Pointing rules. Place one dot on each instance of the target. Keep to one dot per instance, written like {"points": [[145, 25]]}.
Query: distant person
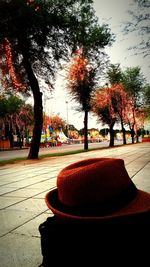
{"points": [[99, 215]]}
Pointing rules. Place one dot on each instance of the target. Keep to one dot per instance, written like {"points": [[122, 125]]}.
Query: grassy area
{"points": [[20, 159], [24, 159], [64, 153]]}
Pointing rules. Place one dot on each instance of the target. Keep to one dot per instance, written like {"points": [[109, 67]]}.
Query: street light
{"points": [[45, 99]]}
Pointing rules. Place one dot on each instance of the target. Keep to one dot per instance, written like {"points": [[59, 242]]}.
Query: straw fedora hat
{"points": [[97, 189]]}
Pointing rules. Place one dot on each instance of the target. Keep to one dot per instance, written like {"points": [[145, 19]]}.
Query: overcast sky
{"points": [[114, 13]]}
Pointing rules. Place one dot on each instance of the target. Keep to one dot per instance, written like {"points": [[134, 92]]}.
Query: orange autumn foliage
{"points": [[9, 66], [119, 105], [78, 67], [55, 121]]}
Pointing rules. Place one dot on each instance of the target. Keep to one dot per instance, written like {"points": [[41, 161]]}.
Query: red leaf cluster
{"points": [[10, 68]]}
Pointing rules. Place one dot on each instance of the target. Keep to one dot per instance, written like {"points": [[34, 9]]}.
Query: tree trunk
{"points": [[38, 112], [123, 132], [137, 134], [86, 130], [11, 140], [38, 122], [132, 135], [11, 135], [137, 138], [111, 143]]}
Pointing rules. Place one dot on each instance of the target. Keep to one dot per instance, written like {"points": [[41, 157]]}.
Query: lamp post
{"points": [[45, 98]]}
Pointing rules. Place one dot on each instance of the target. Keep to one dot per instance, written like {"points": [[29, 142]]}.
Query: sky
{"points": [[114, 13]]}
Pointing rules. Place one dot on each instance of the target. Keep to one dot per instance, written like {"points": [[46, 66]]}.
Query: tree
{"points": [[81, 85], [147, 99], [104, 131], [55, 122], [88, 60], [120, 100], [134, 118], [34, 36], [15, 117], [133, 82], [139, 24], [114, 74], [12, 107], [147, 94], [103, 107], [26, 120]]}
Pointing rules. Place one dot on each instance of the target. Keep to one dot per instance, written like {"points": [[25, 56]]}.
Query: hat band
{"points": [[98, 209]]}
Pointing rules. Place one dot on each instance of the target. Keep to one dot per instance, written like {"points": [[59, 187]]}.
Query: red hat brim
{"points": [[138, 207]]}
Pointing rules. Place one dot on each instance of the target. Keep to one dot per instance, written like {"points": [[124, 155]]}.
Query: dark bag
{"points": [[75, 243]]}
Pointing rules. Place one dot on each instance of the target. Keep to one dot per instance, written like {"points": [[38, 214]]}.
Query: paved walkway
{"points": [[22, 191]]}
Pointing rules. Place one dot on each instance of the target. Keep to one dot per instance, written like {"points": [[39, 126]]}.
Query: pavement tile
{"points": [[5, 190], [8, 201], [44, 185], [11, 219], [20, 251], [23, 183], [142, 179], [42, 195], [134, 167], [24, 192], [30, 205], [142, 185], [31, 227]]}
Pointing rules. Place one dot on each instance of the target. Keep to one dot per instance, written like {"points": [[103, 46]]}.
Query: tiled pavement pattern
{"points": [[22, 191]]}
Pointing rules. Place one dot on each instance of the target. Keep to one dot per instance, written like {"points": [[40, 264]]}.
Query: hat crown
{"points": [[92, 182]]}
